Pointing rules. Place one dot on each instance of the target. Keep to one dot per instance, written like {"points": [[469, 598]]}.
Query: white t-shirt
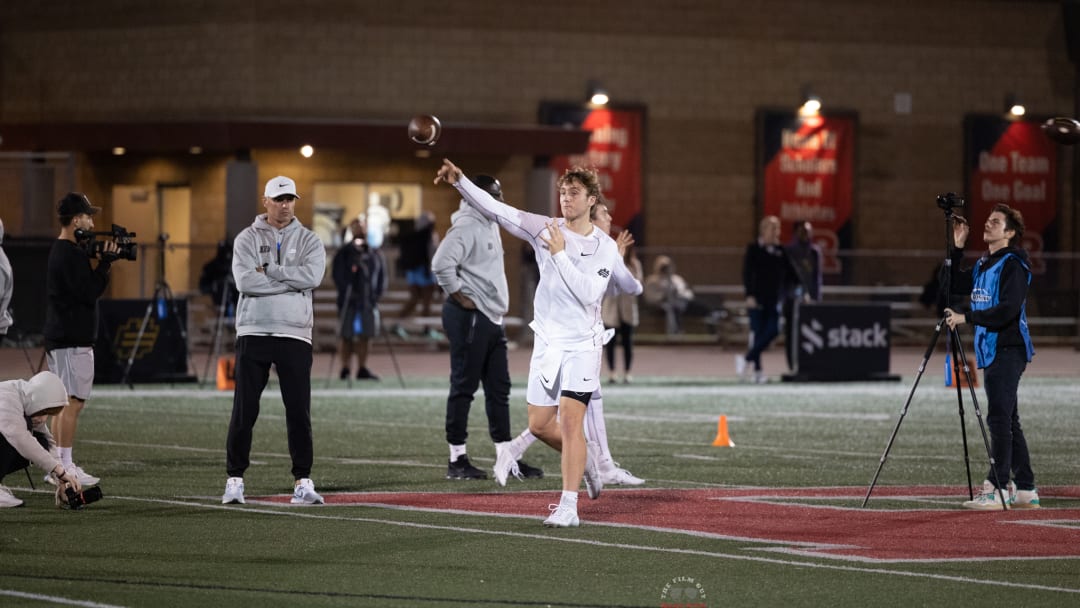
{"points": [[566, 307]]}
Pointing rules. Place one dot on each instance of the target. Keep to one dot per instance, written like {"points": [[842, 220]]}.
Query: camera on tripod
{"points": [[76, 500], [125, 241], [950, 201]]}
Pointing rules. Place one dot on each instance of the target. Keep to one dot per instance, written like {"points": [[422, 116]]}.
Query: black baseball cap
{"points": [[490, 185], [75, 203]]}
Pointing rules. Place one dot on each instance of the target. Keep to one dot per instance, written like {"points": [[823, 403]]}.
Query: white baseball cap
{"points": [[280, 185]]}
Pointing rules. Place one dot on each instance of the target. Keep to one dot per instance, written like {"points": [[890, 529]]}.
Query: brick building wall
{"points": [[700, 67]]}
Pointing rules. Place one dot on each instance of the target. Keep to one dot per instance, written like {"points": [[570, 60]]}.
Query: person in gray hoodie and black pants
{"points": [[469, 267], [277, 264]]}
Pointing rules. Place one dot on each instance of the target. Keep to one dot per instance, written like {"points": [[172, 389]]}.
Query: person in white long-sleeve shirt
{"points": [[576, 261]]}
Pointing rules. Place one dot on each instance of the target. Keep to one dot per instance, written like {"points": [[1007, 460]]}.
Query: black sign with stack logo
{"points": [[841, 342]]}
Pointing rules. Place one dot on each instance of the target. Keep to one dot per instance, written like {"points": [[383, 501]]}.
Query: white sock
{"points": [[595, 429], [569, 499], [456, 451], [65, 457], [526, 438]]}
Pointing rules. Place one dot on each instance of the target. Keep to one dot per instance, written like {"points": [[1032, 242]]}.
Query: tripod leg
{"points": [[180, 325], [138, 340], [955, 359], [982, 427], [903, 411]]}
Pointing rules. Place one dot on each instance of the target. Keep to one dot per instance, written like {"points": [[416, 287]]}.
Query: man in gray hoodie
{"points": [[24, 437], [277, 264], [469, 267], [7, 284]]}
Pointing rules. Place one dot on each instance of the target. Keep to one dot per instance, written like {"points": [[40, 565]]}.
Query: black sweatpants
{"points": [[292, 360], [477, 354]]}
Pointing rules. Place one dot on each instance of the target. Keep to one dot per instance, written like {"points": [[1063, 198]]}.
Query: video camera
{"points": [[76, 500], [125, 241], [950, 201]]}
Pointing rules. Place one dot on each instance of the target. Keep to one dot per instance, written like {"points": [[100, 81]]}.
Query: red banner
{"points": [[807, 169], [1016, 164], [615, 152]]}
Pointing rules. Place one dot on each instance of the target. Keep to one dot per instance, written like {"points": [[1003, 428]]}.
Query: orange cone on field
{"points": [[722, 439], [226, 373], [962, 378]]}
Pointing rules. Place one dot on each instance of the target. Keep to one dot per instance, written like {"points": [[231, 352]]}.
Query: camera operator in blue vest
{"points": [[998, 285]]}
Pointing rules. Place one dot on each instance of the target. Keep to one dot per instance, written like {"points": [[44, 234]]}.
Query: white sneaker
{"points": [[740, 367], [987, 501], [1025, 499], [507, 453], [85, 478], [304, 493], [760, 377], [7, 499], [988, 488], [615, 476], [562, 517], [628, 379], [593, 481], [234, 491]]}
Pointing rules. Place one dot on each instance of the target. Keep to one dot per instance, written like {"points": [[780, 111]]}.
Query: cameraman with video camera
{"points": [[74, 285]]}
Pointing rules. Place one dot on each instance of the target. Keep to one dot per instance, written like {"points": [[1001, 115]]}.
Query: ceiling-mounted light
{"points": [[119, 151], [811, 103], [596, 93], [306, 151], [1013, 107]]}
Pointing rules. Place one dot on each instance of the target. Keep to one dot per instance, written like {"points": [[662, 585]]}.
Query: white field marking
{"points": [[691, 417], [792, 452], [306, 512], [55, 599]]}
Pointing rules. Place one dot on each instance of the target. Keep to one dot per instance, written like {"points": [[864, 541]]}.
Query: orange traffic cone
{"points": [[722, 440], [226, 373], [963, 378]]}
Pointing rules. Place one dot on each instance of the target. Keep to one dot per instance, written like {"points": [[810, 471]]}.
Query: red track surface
{"points": [[797, 519]]}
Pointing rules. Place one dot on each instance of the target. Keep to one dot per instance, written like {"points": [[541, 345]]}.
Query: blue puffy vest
{"points": [[986, 294]]}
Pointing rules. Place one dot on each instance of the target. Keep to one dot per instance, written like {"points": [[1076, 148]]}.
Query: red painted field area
{"points": [[797, 520]]}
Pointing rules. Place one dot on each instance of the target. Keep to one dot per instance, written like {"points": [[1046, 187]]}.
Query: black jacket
{"points": [[73, 286]]}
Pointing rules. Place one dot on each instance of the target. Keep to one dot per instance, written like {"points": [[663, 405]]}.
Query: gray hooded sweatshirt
{"points": [[7, 284], [470, 259], [20, 399], [277, 301]]}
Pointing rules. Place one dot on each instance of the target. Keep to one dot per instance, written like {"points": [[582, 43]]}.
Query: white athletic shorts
{"points": [[75, 366], [577, 371]]}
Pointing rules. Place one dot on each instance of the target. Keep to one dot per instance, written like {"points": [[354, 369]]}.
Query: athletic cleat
{"points": [[987, 501], [562, 517], [760, 377], [85, 478], [616, 476], [7, 499], [234, 491], [304, 493], [528, 472], [463, 469], [1025, 499], [593, 481]]}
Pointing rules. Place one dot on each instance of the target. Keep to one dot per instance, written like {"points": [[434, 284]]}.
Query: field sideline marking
{"points": [[293, 512], [55, 599]]}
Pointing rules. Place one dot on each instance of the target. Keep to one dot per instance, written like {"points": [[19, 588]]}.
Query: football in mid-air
{"points": [[425, 129], [1062, 130]]}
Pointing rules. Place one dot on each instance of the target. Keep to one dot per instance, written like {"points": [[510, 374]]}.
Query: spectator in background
{"points": [[359, 274], [805, 258], [216, 279], [417, 249], [668, 291], [620, 308], [766, 270], [7, 286]]}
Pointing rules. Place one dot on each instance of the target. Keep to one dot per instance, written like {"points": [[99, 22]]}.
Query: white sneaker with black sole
{"points": [[7, 499]]}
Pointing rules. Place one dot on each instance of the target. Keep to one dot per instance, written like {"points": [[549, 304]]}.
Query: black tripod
{"points": [[959, 361], [343, 318], [162, 297], [228, 288]]}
